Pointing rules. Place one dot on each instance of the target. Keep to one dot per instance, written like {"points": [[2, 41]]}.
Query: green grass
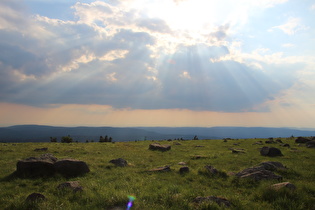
{"points": [[107, 186]]}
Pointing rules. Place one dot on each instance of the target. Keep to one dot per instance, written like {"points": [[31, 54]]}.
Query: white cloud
{"points": [[292, 26]]}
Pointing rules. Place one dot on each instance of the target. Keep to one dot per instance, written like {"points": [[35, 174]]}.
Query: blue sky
{"points": [[158, 63]]}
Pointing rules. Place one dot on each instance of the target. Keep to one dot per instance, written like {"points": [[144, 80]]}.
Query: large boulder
{"points": [[36, 166], [71, 167], [156, 146], [301, 140], [270, 151], [310, 144], [262, 172]]}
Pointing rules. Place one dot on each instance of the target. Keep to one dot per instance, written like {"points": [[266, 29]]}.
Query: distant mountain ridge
{"points": [[42, 133]]}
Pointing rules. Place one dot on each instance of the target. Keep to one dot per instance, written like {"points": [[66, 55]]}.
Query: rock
{"points": [[211, 169], [161, 169], [36, 166], [119, 162], [236, 151], [258, 143], [272, 165], [301, 140], [41, 149], [73, 185], [35, 197], [270, 151], [71, 167], [183, 170], [156, 146], [177, 143], [182, 163], [285, 145], [270, 142], [283, 185], [310, 144], [219, 200], [198, 157], [257, 174], [199, 146], [279, 141]]}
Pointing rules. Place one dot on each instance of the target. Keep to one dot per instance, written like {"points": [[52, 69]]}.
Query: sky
{"points": [[193, 63]]}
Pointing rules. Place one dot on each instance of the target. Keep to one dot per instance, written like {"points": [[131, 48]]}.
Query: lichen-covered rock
{"points": [[161, 169]]}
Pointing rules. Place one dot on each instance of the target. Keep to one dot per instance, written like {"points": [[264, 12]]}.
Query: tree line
{"points": [[68, 139]]}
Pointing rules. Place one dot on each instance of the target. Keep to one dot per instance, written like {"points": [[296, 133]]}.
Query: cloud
{"points": [[111, 55], [292, 26]]}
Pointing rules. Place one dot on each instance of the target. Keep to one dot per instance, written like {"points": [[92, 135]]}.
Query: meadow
{"points": [[107, 186]]}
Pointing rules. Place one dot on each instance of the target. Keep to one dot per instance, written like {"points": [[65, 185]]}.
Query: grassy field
{"points": [[107, 186]]}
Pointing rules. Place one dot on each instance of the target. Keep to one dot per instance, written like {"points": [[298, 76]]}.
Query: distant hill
{"points": [[41, 133]]}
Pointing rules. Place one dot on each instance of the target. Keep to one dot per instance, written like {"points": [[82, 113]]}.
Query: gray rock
{"points": [[270, 151], [73, 185], [211, 169], [282, 185], [71, 167], [272, 165], [35, 197], [161, 169], [36, 166], [156, 146], [183, 170], [41, 149], [310, 144], [219, 200], [119, 162], [301, 140]]}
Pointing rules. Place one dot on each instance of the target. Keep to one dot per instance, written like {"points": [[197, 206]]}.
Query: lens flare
{"points": [[131, 199]]}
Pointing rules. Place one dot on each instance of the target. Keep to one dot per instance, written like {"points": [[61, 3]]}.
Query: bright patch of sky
{"points": [[220, 56]]}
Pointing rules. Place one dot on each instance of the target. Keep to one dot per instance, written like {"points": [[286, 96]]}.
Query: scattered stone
{"points": [[310, 144], [272, 165], [279, 141], [257, 174], [283, 185], [301, 140], [285, 145], [35, 197], [73, 185], [219, 200], [161, 169], [258, 143], [236, 144], [270, 142], [36, 166], [182, 163], [177, 143], [199, 146], [183, 170], [270, 151], [71, 167], [157, 146], [211, 169], [195, 157], [119, 162], [41, 149]]}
